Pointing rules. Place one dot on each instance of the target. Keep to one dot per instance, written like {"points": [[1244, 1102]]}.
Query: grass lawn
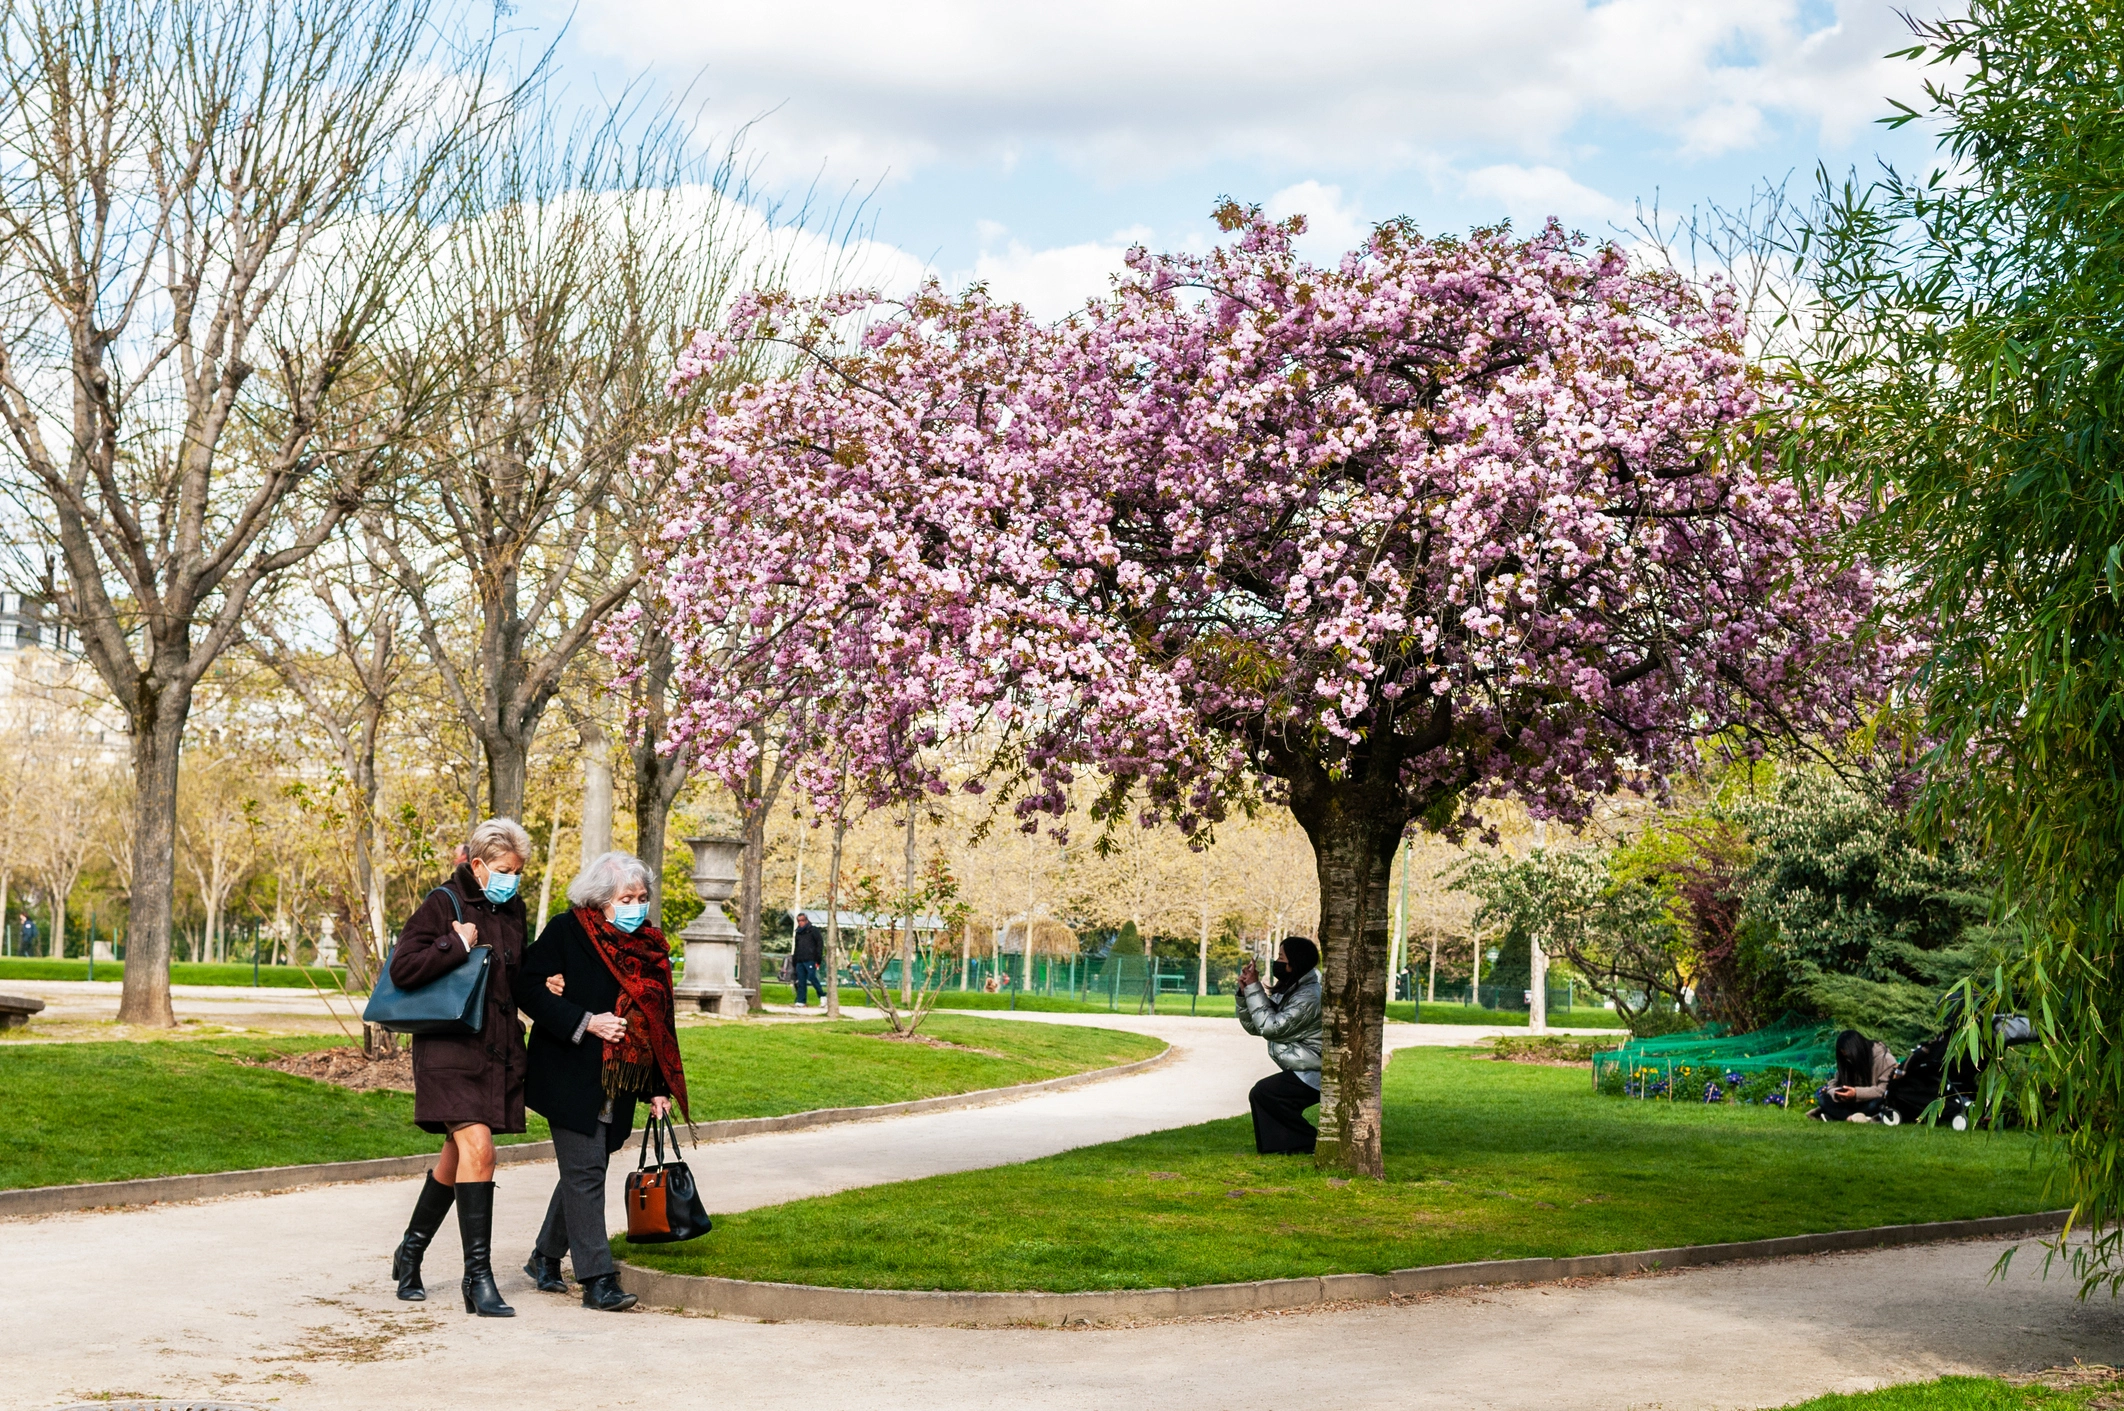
{"points": [[275, 977], [1485, 1160], [1404, 1011], [118, 1111], [1972, 1394]]}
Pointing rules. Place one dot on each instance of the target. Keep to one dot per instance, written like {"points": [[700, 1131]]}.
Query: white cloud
{"points": [[1051, 282], [1530, 195], [1333, 226], [1129, 88]]}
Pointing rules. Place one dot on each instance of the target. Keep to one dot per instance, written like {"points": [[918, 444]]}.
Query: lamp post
{"points": [[1538, 967]]}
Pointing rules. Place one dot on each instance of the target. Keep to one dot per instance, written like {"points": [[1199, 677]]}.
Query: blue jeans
{"points": [[806, 972]]}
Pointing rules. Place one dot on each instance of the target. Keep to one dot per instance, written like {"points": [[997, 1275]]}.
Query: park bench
{"points": [[16, 1009]]}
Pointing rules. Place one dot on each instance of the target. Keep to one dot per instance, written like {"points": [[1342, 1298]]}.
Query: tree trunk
{"points": [[658, 776], [833, 923], [907, 949], [652, 819], [1355, 827], [508, 766], [597, 791], [157, 735], [751, 867]]}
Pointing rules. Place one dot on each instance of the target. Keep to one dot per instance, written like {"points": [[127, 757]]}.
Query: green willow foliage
{"points": [[1970, 367]]}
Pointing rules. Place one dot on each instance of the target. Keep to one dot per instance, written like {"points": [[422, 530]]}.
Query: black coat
{"points": [[466, 1077], [808, 945], [566, 1086]]}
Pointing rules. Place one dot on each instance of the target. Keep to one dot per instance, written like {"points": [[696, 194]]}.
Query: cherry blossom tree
{"points": [[1454, 519]]}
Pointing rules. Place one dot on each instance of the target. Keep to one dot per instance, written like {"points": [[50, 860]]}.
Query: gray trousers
{"points": [[575, 1217]]}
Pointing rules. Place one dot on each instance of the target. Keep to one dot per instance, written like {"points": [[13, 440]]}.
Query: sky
{"points": [[1030, 145]]}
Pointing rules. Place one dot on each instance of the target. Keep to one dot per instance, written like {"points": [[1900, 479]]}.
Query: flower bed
{"points": [[1686, 1082]]}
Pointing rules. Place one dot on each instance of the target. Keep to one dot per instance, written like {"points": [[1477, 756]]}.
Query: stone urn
{"points": [[710, 980]]}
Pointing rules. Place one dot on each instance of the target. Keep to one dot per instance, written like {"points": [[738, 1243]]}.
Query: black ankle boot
{"points": [[545, 1272], [475, 1226], [604, 1293], [428, 1213]]}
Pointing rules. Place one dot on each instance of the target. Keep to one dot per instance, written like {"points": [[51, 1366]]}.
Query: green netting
{"points": [[1774, 1066]]}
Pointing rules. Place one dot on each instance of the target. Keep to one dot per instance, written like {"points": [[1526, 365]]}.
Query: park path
{"points": [[285, 1300]]}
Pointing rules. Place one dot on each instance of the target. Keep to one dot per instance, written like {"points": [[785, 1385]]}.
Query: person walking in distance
{"points": [[1288, 1016], [467, 1085], [806, 949], [604, 1036]]}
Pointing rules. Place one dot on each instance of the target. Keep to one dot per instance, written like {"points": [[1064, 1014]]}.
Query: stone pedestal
{"points": [[710, 981], [327, 943]]}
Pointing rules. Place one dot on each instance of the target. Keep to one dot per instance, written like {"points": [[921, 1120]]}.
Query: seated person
{"points": [[1863, 1068], [1288, 1016]]}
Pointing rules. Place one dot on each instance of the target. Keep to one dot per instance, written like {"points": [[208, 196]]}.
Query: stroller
{"points": [[1927, 1075]]}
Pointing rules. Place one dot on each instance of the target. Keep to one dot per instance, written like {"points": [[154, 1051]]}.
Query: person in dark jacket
{"points": [[604, 1035], [1287, 1014], [468, 1085], [806, 949]]}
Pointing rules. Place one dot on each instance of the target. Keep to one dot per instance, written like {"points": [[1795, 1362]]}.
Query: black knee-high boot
{"points": [[428, 1213], [475, 1226]]}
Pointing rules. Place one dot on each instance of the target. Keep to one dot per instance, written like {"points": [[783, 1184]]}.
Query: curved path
{"points": [[286, 1298]]}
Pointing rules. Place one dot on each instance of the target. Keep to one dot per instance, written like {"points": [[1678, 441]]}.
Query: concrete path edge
{"points": [[53, 1200], [933, 1308]]}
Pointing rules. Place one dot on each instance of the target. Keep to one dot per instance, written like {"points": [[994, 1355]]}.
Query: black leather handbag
{"points": [[663, 1204], [452, 1003]]}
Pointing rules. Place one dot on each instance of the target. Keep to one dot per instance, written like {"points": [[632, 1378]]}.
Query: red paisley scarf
{"points": [[641, 962]]}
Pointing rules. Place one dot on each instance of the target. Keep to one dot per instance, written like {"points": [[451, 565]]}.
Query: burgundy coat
{"points": [[467, 1077]]}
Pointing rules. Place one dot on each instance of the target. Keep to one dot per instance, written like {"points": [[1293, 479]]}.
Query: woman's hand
{"points": [[1248, 975], [660, 1107], [466, 932], [556, 983], [609, 1027]]}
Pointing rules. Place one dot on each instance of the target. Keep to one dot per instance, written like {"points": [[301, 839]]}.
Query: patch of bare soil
{"points": [[349, 1068], [928, 1042], [1548, 1050], [2080, 1376]]}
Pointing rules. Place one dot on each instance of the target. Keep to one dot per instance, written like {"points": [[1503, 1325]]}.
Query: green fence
{"points": [[1410, 983], [1775, 1066], [1123, 984]]}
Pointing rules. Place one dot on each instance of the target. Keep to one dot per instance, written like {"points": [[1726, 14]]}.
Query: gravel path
{"points": [[285, 1300]]}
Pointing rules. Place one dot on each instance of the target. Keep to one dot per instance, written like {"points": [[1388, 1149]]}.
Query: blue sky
{"points": [[1029, 145]]}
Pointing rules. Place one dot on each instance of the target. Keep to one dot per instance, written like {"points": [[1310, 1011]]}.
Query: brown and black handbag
{"points": [[663, 1203]]}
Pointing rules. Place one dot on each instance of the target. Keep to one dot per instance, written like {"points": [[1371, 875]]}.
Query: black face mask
{"points": [[1278, 971]]}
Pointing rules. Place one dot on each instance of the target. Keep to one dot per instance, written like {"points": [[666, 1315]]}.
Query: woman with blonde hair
{"points": [[604, 1036], [467, 1085]]}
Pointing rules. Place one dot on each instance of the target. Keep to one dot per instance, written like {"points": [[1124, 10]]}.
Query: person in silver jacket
{"points": [[1287, 1014]]}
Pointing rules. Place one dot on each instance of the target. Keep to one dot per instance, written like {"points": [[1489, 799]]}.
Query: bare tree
{"points": [[66, 830], [217, 829], [659, 769], [207, 211], [347, 691], [576, 271]]}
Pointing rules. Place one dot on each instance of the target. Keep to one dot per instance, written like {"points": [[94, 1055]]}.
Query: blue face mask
{"points": [[500, 886], [629, 915]]}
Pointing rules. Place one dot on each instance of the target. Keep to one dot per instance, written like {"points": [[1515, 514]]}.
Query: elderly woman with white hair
{"points": [[468, 1085], [604, 1036]]}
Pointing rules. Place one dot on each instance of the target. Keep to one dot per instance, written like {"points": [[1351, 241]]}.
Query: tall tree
{"points": [[573, 273], [1971, 331], [659, 770], [1450, 519], [206, 218], [348, 687]]}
